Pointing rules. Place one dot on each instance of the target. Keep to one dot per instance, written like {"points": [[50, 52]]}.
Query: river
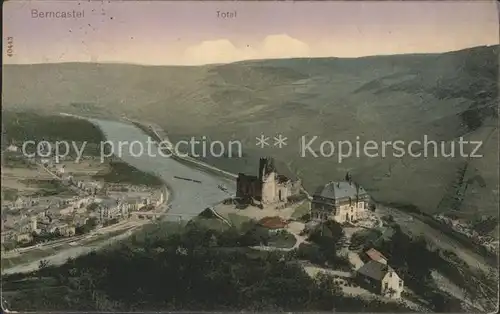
{"points": [[187, 198]]}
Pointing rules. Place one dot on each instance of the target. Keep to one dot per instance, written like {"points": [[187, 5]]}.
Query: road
{"points": [[72, 187], [57, 243], [78, 243], [436, 237], [62, 256]]}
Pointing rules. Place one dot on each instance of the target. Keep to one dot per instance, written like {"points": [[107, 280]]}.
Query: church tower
{"points": [[267, 178]]}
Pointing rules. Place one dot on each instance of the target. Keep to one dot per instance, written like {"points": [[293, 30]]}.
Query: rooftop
{"points": [[374, 270], [340, 190], [375, 255], [273, 222], [282, 178]]}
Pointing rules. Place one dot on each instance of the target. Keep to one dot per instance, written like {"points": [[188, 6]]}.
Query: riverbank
{"points": [[154, 132]]}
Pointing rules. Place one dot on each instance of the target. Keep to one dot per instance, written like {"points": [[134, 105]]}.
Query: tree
{"points": [[92, 206], [136, 276], [445, 304], [43, 264], [327, 233], [255, 236], [327, 291], [372, 207]]}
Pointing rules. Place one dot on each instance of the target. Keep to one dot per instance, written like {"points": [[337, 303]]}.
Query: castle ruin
{"points": [[268, 187]]}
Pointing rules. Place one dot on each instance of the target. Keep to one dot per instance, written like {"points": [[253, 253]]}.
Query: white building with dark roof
{"points": [[12, 148], [380, 278], [340, 201]]}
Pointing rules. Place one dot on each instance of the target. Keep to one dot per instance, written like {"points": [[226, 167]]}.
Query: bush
{"points": [[257, 235], [185, 271], [364, 238], [283, 239]]}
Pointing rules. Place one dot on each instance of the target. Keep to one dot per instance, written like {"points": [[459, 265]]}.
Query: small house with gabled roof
{"points": [[381, 279]]}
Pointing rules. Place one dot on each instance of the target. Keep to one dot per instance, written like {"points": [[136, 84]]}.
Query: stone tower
{"points": [[267, 178]]}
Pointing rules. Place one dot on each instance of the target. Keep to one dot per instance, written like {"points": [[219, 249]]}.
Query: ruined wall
{"points": [[267, 177], [282, 192], [247, 186], [269, 189]]}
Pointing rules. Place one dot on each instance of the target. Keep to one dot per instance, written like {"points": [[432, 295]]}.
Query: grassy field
{"points": [[13, 160], [9, 194], [27, 257], [301, 210], [238, 220], [282, 239], [47, 187], [381, 98]]}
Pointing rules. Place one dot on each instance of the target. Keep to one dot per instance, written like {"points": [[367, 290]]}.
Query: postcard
{"points": [[291, 156]]}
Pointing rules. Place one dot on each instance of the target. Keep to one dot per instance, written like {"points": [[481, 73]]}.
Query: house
{"points": [[133, 205], [381, 279], [23, 202], [343, 201], [67, 231], [144, 204], [82, 203], [26, 225], [60, 169], [12, 148], [108, 209], [67, 210], [63, 228], [273, 224], [268, 187], [24, 237], [80, 221], [8, 235], [123, 208], [373, 255], [161, 199]]}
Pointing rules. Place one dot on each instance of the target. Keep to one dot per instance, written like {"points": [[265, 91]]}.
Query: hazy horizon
{"points": [[250, 60], [191, 33]]}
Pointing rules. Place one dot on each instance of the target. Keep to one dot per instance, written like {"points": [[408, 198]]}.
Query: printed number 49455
{"points": [[10, 46]]}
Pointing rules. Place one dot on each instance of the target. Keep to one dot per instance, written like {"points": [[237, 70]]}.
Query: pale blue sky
{"points": [[162, 32]]}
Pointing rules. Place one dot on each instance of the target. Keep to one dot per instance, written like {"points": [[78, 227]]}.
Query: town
{"points": [[80, 204]]}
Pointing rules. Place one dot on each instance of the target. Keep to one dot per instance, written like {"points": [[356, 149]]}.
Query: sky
{"points": [[191, 33]]}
